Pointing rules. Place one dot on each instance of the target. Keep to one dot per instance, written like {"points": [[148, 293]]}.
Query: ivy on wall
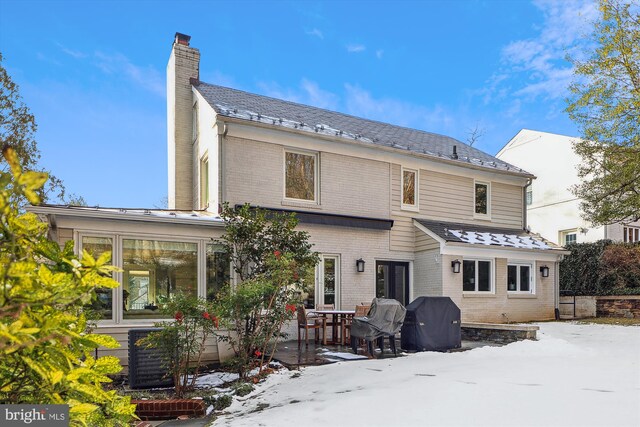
{"points": [[601, 268]]}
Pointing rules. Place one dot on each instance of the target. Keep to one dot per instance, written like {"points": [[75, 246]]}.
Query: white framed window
{"points": [[520, 278], [529, 196], [477, 275], [301, 176], [409, 189], [631, 234], [328, 281], [96, 245], [482, 200], [568, 237], [204, 182], [153, 270]]}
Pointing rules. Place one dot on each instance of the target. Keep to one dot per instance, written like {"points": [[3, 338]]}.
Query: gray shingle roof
{"points": [[488, 236], [276, 112]]}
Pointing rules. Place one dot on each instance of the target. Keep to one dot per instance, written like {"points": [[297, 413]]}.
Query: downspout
{"points": [[524, 203]]}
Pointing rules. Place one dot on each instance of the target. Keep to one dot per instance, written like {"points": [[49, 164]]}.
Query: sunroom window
{"points": [[476, 276], [96, 246], [218, 270], [154, 271]]}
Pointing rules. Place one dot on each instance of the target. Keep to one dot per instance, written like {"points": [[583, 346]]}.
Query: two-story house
{"points": [[552, 210], [394, 212]]}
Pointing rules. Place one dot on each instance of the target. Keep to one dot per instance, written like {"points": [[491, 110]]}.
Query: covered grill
{"points": [[384, 320], [431, 324]]}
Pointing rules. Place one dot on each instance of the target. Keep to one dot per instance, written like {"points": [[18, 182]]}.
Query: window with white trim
{"points": [[631, 234], [520, 278], [482, 199], [568, 237], [409, 189], [477, 275], [301, 176]]}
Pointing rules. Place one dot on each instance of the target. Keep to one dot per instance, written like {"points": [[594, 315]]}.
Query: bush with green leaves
{"points": [[45, 349], [274, 262], [182, 341], [601, 268]]}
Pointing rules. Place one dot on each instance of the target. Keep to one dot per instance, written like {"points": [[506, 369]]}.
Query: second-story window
{"points": [[301, 175], [409, 188], [482, 199]]}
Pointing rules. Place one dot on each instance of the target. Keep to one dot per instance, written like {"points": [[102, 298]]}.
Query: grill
{"points": [[431, 324], [145, 364]]}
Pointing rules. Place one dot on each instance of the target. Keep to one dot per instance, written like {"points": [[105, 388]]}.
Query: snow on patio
{"points": [[575, 375]]}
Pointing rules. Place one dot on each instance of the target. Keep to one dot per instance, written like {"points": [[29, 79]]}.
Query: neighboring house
{"points": [[394, 212], [552, 210]]}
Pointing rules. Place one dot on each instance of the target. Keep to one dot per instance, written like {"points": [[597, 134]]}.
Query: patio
{"points": [[293, 357]]}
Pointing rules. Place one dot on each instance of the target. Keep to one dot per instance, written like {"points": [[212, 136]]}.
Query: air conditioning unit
{"points": [[146, 367]]}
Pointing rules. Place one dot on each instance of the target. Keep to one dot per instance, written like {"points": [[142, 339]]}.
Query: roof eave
{"points": [[559, 251], [225, 118]]}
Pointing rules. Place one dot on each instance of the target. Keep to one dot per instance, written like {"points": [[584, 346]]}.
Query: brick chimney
{"points": [[184, 65]]}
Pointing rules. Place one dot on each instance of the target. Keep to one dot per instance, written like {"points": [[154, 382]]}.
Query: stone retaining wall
{"points": [[627, 307], [501, 333]]}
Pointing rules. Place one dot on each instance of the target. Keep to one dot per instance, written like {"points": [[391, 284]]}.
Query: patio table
{"points": [[343, 315]]}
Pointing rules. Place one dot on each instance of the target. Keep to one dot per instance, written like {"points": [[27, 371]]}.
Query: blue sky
{"points": [[93, 72]]}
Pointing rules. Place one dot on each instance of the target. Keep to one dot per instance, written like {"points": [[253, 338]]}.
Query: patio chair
{"points": [[384, 319], [306, 323], [361, 311]]}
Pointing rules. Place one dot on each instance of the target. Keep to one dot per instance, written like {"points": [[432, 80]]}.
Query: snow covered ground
{"points": [[574, 375]]}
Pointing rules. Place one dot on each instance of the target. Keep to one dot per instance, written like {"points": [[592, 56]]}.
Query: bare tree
{"points": [[475, 134]]}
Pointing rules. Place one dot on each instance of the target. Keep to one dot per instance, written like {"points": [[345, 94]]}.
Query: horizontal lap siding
{"points": [[445, 196], [506, 205], [425, 242]]}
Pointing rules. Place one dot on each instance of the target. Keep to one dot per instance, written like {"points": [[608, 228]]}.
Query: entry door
{"points": [[392, 280]]}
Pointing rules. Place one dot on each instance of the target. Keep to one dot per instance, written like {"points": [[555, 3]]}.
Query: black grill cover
{"points": [[431, 324], [385, 318]]}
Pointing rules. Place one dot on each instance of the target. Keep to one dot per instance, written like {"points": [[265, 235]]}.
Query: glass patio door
{"points": [[328, 281], [392, 280]]}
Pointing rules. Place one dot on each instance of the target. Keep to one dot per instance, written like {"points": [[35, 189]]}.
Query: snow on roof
{"points": [[130, 213], [242, 105], [500, 239]]}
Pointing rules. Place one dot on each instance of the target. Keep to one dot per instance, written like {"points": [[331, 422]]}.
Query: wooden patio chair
{"points": [[361, 310], [306, 323]]}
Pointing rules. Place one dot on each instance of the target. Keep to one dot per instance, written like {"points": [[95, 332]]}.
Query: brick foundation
{"points": [[169, 409]]}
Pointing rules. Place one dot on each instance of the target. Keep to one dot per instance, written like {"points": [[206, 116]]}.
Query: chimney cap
{"points": [[182, 39]]}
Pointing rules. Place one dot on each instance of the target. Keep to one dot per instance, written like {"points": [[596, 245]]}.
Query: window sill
{"points": [[521, 296], [482, 217], [478, 294], [410, 208], [301, 204]]}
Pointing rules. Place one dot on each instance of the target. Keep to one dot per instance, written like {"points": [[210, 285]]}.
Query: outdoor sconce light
{"points": [[360, 265], [545, 271], [455, 266]]}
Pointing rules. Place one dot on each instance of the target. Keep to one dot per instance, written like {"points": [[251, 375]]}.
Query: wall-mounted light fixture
{"points": [[544, 270], [360, 265], [455, 266]]}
